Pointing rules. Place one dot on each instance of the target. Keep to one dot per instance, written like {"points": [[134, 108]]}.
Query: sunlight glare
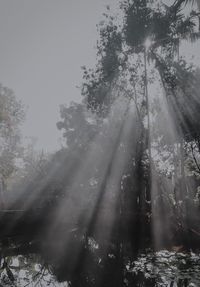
{"points": [[147, 44]]}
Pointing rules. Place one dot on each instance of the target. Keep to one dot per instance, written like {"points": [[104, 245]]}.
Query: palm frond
{"points": [[186, 26], [189, 1], [178, 3], [194, 36]]}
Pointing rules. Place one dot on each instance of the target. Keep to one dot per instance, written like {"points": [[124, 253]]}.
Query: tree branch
{"points": [[195, 160]]}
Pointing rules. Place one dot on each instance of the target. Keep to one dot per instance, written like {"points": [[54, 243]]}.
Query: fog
{"points": [[100, 143]]}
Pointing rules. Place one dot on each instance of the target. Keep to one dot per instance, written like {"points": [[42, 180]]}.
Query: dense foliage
{"points": [[127, 177]]}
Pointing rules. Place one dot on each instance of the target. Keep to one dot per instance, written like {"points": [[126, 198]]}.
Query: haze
{"points": [[43, 45]]}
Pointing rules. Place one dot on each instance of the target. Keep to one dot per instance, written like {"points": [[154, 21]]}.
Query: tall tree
{"points": [[11, 116], [121, 71]]}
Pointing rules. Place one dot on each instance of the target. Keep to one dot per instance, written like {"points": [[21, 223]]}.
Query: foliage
{"points": [[11, 116], [106, 171], [97, 88], [78, 124]]}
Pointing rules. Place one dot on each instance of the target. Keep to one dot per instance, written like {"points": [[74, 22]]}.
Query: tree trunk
{"points": [[198, 4], [2, 197]]}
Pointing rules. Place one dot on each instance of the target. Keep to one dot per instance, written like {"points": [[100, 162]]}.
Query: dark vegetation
{"points": [[91, 208]]}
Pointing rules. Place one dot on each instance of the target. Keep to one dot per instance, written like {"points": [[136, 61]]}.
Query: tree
{"points": [[79, 125], [165, 27], [11, 116], [121, 72], [101, 180]]}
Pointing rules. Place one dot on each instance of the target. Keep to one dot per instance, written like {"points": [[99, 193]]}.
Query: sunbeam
{"points": [[118, 203]]}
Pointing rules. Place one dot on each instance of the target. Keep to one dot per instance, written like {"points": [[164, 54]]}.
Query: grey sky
{"points": [[43, 45]]}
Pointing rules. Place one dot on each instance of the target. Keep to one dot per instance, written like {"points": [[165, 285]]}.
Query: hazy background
{"points": [[43, 45]]}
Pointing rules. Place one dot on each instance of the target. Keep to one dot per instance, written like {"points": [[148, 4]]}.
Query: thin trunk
{"points": [[147, 104], [2, 196], [198, 4], [148, 190]]}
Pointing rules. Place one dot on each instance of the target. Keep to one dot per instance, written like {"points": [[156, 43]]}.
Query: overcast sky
{"points": [[43, 45]]}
